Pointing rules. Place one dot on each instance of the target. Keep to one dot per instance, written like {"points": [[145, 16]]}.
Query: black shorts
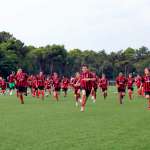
{"points": [[57, 89], [147, 93], [121, 90], [21, 89], [95, 89], [131, 88], [3, 88], [88, 92], [41, 87], [65, 89], [104, 89]]}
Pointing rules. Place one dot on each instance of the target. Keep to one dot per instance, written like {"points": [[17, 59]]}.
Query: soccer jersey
{"points": [[86, 85], [138, 82], [48, 84], [146, 83], [56, 82], [103, 83], [65, 83], [130, 82], [121, 82], [21, 79], [11, 78], [40, 80]]}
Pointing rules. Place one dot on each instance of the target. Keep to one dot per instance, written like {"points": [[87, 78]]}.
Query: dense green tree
{"points": [[15, 54]]}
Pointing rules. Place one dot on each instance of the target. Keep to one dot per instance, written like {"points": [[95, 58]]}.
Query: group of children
{"points": [[84, 84]]}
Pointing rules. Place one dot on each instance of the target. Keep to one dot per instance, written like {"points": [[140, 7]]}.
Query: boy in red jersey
{"points": [[104, 85], [3, 86], [29, 80], [48, 84], [121, 86], [34, 85], [146, 85], [138, 82], [21, 83], [94, 87], [76, 86], [65, 85], [11, 80], [41, 84], [130, 82], [86, 84], [56, 85]]}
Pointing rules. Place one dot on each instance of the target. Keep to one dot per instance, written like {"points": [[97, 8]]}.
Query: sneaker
{"points": [[82, 109], [77, 104]]}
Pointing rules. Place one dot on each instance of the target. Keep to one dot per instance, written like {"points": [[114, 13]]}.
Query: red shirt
{"points": [[56, 82], [146, 83], [121, 82], [0, 82], [41, 80], [138, 81], [103, 83], [3, 84], [34, 83], [48, 84], [65, 83], [87, 85], [76, 83], [11, 78], [95, 82], [30, 79], [21, 79], [130, 82]]}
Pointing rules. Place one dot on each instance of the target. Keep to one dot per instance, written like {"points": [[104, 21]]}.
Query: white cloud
{"points": [[86, 24]]}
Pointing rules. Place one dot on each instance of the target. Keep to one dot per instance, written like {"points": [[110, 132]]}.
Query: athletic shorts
{"points": [[104, 89], [76, 91], [147, 93], [35, 88], [65, 89], [131, 88], [57, 89], [22, 89], [41, 87], [88, 92], [95, 89], [11, 86], [3, 88], [121, 90]]}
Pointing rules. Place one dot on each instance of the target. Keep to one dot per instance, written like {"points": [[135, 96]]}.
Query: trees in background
{"points": [[15, 54]]}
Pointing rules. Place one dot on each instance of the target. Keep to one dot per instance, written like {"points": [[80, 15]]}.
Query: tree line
{"points": [[15, 54]]}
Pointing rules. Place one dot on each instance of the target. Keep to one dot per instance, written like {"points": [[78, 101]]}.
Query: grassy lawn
{"points": [[48, 125]]}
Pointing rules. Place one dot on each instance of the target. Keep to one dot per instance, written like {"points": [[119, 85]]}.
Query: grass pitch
{"points": [[48, 125]]}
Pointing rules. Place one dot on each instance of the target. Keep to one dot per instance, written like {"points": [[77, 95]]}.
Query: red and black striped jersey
{"points": [[87, 85], [76, 83], [56, 82], [41, 80], [146, 83], [121, 82], [65, 83], [11, 78], [21, 79], [130, 82], [138, 81], [103, 83]]}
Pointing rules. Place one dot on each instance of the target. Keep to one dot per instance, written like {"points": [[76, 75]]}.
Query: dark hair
{"points": [[84, 65]]}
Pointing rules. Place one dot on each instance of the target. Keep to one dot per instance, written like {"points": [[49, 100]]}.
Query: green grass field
{"points": [[49, 125]]}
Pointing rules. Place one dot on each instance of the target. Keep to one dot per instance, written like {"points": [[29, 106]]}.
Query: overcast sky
{"points": [[84, 24]]}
